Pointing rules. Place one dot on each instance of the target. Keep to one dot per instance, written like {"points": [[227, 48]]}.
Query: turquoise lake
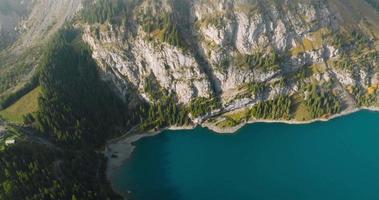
{"points": [[335, 160]]}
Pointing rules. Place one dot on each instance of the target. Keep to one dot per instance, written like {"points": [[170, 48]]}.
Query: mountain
{"points": [[217, 49], [106, 66], [239, 53], [25, 27]]}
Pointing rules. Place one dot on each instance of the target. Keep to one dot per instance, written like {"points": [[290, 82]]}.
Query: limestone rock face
{"points": [[228, 45], [138, 60]]}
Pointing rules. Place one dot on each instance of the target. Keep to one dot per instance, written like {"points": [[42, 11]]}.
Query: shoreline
{"points": [[232, 130], [118, 150]]}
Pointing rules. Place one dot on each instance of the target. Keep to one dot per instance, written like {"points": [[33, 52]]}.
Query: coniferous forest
{"points": [[42, 173], [77, 111], [76, 106]]}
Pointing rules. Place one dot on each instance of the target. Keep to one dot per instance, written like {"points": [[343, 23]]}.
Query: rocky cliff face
{"points": [[219, 49], [238, 52]]}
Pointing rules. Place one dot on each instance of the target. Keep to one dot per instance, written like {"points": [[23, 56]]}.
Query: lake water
{"points": [[335, 160]]}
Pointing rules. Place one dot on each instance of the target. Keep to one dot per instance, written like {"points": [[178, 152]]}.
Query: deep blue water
{"points": [[335, 160]]}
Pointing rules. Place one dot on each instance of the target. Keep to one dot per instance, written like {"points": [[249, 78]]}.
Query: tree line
{"points": [[100, 11], [266, 62], [32, 171], [278, 108], [76, 107], [320, 102], [164, 28]]}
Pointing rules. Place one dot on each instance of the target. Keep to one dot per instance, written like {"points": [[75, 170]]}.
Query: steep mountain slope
{"points": [[11, 13], [236, 54], [25, 27], [243, 52]]}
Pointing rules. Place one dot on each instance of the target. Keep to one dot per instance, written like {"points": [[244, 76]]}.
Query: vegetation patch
{"points": [[223, 65], [14, 71], [320, 102], [152, 88], [227, 123], [300, 109], [216, 20], [27, 104], [76, 106], [9, 99], [278, 108], [239, 116], [318, 68], [365, 98], [305, 46], [165, 112], [251, 90], [100, 11], [266, 62], [350, 41], [34, 171], [367, 61], [164, 28], [233, 118], [201, 106], [312, 42], [302, 113]]}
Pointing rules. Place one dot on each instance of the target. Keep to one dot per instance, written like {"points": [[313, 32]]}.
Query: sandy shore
{"points": [[118, 150]]}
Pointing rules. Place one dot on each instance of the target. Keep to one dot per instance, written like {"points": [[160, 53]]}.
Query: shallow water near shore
{"points": [[338, 159]]}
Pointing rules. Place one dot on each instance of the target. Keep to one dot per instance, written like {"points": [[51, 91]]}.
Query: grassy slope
{"points": [[27, 104]]}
